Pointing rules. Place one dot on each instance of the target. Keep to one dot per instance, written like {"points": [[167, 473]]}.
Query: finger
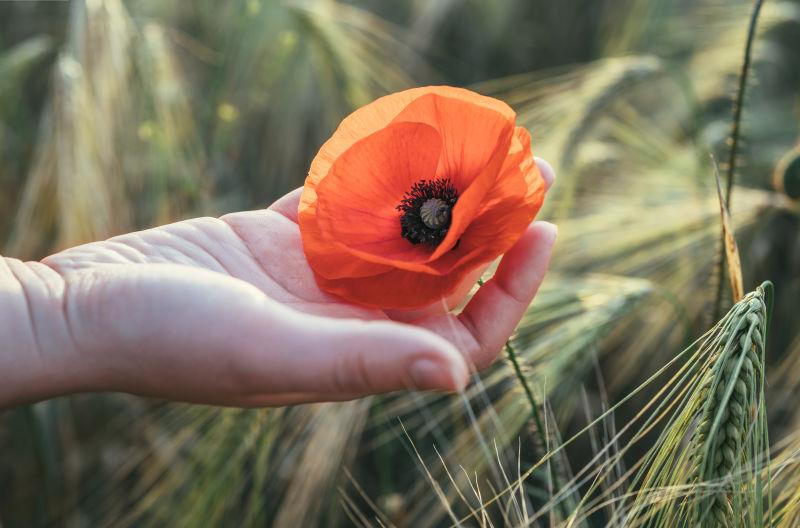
{"points": [[495, 310], [290, 398], [266, 399], [548, 174], [287, 204], [353, 356]]}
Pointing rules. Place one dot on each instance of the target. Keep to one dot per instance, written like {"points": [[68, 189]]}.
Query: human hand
{"points": [[227, 311]]}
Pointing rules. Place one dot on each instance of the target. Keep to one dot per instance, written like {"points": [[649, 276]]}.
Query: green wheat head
{"points": [[731, 393], [706, 468]]}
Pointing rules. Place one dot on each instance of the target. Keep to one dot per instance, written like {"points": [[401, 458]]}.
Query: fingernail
{"points": [[547, 171], [431, 375], [547, 229]]}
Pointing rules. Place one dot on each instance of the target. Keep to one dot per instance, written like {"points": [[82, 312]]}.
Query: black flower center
{"points": [[425, 211]]}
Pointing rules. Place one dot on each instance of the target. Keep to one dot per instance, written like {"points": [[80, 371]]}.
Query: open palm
{"points": [[227, 311]]}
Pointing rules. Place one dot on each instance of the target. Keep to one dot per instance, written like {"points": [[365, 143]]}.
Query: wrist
{"points": [[38, 358]]}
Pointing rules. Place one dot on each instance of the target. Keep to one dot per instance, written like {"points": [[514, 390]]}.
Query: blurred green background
{"points": [[120, 115]]}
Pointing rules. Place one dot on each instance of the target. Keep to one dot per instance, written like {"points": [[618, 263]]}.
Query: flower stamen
{"points": [[426, 211]]}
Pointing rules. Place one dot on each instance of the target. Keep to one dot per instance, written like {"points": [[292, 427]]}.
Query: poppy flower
{"points": [[413, 193]]}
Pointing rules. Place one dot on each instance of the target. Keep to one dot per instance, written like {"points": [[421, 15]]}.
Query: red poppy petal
{"points": [[510, 196], [333, 261], [399, 253], [469, 203], [372, 117], [393, 250], [357, 201], [379, 113], [470, 134], [396, 289], [510, 206]]}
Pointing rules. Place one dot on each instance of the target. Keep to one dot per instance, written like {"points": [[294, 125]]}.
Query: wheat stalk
{"points": [[736, 126]]}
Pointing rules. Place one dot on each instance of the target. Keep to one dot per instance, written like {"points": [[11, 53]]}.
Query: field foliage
{"points": [[640, 393]]}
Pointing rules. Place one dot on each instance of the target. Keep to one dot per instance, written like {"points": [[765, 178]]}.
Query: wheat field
{"points": [[639, 388]]}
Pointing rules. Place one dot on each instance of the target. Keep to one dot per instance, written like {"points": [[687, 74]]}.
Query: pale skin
{"points": [[226, 311]]}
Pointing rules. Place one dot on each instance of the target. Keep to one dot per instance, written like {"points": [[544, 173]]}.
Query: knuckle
{"points": [[351, 373], [512, 295]]}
